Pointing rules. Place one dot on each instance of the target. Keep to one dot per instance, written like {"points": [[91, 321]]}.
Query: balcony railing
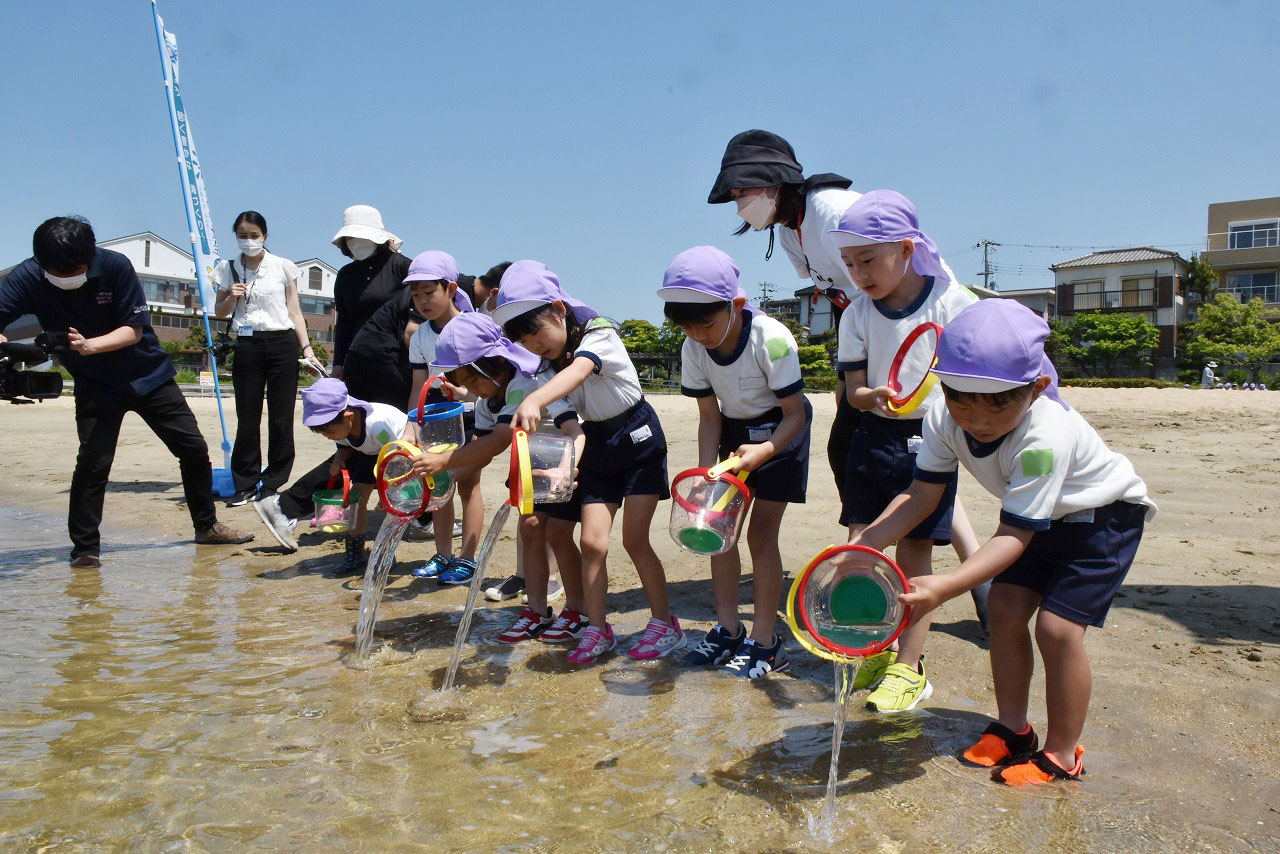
{"points": [[1120, 300]]}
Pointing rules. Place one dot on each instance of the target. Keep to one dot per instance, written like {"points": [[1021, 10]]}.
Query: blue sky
{"points": [[587, 135]]}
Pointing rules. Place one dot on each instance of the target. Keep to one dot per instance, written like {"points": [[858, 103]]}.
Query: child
{"points": [[742, 367], [1071, 518], [433, 284], [624, 463], [472, 352], [360, 429], [897, 266]]}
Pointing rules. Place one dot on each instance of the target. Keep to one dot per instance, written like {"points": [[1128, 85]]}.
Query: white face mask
{"points": [[67, 283], [758, 210], [249, 247], [360, 248]]}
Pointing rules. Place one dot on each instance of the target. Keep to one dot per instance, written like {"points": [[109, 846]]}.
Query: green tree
{"points": [[813, 359], [1201, 278], [670, 339], [1233, 333], [793, 326], [639, 336], [1098, 343]]}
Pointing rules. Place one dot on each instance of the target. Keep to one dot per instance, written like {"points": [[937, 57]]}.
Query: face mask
{"points": [[249, 247], [758, 210], [67, 283], [360, 248]]}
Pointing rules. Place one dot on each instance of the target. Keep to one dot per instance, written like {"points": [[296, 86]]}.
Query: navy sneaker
{"points": [[459, 572], [716, 648], [431, 568], [755, 661]]}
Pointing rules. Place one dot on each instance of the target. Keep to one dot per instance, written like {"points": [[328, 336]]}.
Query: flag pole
{"points": [[199, 230]]}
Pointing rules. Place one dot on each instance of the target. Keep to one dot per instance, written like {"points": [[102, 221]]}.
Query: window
{"points": [[1088, 295], [161, 290], [146, 253], [1253, 235], [315, 278], [312, 305], [1138, 292], [1260, 284]]}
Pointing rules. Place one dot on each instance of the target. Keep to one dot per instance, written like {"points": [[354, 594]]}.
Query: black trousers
{"points": [[265, 361], [842, 428], [99, 413]]}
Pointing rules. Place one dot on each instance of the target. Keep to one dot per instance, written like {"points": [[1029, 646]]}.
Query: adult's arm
{"points": [[117, 339]]}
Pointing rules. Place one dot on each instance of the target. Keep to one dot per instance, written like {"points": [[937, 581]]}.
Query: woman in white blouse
{"points": [[258, 291]]}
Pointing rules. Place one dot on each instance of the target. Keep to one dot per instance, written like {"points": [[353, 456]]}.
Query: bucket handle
{"points": [[422, 396], [714, 473], [521, 474], [346, 485]]}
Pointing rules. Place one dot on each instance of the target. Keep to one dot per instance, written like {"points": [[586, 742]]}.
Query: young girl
{"points": [[472, 352], [433, 284], [624, 463], [360, 429]]}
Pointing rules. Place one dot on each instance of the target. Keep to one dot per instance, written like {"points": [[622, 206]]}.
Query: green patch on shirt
{"points": [[777, 348], [1037, 462], [514, 396], [599, 323], [384, 437]]}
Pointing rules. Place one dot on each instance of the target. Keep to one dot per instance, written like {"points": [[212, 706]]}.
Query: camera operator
{"points": [[118, 366]]}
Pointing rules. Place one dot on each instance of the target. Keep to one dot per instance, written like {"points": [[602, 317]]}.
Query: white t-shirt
{"points": [[1051, 465], [520, 387], [614, 386], [382, 426], [263, 307], [870, 335], [422, 346], [810, 249], [764, 368]]}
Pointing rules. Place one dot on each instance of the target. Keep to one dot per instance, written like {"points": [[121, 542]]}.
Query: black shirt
{"points": [[111, 298], [363, 287], [381, 345]]}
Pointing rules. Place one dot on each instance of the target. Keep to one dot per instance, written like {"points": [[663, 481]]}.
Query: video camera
{"points": [[18, 386]]}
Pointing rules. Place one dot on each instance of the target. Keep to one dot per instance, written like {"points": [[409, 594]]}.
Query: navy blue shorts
{"points": [[567, 511], [785, 476], [360, 468], [626, 455], [880, 468], [1077, 566]]}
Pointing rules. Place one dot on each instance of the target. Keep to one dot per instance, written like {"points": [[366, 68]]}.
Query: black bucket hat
{"points": [[755, 158]]}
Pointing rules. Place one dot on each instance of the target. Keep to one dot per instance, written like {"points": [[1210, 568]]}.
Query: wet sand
{"points": [[189, 698]]}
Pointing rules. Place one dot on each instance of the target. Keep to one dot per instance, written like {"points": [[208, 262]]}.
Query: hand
{"points": [[335, 468], [927, 592], [454, 392], [336, 373], [3, 339], [527, 416], [315, 364], [238, 290], [429, 465], [751, 457], [881, 395], [83, 346], [853, 562]]}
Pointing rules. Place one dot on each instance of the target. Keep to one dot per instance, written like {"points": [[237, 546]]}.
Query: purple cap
{"points": [[885, 216], [994, 345], [326, 399], [434, 265], [475, 336], [528, 285]]}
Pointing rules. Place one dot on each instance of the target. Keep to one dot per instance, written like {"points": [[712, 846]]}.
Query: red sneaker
{"points": [[526, 627], [569, 626]]}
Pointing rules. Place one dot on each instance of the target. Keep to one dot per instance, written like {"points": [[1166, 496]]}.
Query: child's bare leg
{"points": [[914, 556], [442, 527], [1068, 683], [597, 522], [636, 516], [472, 513], [1011, 608], [519, 557], [766, 567], [568, 560], [361, 520], [726, 577], [533, 532]]}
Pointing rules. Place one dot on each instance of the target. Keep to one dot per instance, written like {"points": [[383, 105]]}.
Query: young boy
{"points": [[1071, 518], [898, 267], [360, 430], [742, 368]]}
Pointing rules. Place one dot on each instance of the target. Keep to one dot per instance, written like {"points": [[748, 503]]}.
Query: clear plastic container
{"points": [[542, 467], [847, 599], [707, 510], [334, 511], [403, 493]]}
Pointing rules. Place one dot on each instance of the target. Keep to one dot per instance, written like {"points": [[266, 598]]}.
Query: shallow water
{"points": [[177, 701]]}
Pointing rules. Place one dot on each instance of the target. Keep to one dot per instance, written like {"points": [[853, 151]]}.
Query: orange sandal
{"points": [[1000, 745], [1040, 768]]}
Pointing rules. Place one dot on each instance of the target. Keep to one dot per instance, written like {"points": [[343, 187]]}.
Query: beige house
{"points": [[1243, 245]]}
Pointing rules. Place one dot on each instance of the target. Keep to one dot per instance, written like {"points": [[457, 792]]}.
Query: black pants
{"points": [[98, 416], [266, 361]]}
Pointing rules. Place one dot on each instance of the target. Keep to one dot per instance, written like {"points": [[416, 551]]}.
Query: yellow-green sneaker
{"points": [[900, 689], [872, 669]]}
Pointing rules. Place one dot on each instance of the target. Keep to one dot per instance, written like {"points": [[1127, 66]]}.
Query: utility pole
{"points": [[986, 265], [766, 292]]}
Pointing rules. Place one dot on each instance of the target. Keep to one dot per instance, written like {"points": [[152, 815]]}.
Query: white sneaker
{"points": [[555, 590], [280, 525]]}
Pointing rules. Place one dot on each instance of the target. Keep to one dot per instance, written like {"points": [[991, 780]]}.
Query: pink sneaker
{"points": [[658, 639], [593, 644], [569, 626]]}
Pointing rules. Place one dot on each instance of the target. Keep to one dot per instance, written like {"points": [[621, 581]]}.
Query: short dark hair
{"points": [[488, 280], [63, 243], [467, 284], [687, 313], [316, 428], [991, 398], [531, 321], [252, 218]]}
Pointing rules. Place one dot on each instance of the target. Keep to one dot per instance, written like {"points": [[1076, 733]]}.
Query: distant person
{"points": [[1207, 379], [93, 296], [485, 289], [258, 293]]}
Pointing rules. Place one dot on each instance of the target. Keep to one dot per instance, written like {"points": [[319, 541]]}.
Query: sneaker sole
{"points": [[924, 695], [288, 544]]}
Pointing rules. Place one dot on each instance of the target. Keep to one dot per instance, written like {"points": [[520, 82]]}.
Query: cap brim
{"points": [[426, 277], [841, 239], [678, 294], [317, 419], [981, 385], [511, 310]]}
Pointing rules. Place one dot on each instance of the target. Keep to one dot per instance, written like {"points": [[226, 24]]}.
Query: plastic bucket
{"points": [[438, 423], [403, 493], [542, 468], [333, 508], [707, 509], [847, 599]]}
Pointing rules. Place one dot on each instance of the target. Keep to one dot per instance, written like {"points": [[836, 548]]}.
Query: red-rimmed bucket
{"points": [[403, 493], [708, 507], [846, 599]]}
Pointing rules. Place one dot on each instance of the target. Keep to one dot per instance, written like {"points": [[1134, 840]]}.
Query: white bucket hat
{"points": [[365, 222]]}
